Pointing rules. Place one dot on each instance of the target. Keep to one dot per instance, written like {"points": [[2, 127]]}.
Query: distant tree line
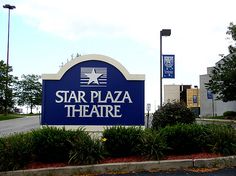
{"points": [[26, 91], [14, 91]]}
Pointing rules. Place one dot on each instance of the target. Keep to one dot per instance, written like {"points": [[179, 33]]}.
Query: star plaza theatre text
{"points": [[92, 103]]}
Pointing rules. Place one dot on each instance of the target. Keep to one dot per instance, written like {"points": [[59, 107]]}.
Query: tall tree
{"points": [[223, 77], [7, 85], [29, 91], [232, 33]]}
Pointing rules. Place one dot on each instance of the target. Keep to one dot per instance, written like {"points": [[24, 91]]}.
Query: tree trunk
{"points": [[31, 109]]}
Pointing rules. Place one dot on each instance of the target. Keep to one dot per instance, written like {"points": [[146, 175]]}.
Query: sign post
{"points": [[148, 108]]}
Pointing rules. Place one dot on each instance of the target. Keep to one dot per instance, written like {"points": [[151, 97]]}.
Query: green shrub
{"points": [[15, 151], [221, 139], [171, 114], [184, 138], [152, 146], [49, 144], [122, 141], [86, 150], [230, 115], [52, 144]]}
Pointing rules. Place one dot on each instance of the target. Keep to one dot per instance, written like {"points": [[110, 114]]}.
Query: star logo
{"points": [[93, 77]]}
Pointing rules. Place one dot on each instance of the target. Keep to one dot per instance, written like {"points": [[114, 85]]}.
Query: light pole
{"points": [[163, 32], [9, 7], [213, 106]]}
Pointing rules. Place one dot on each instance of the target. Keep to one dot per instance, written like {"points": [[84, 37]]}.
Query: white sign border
{"points": [[95, 57]]}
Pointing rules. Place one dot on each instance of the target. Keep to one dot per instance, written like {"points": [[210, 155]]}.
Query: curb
{"points": [[163, 165], [220, 162]]}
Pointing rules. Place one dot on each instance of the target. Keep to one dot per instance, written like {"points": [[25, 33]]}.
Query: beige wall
{"points": [[171, 93], [190, 94]]}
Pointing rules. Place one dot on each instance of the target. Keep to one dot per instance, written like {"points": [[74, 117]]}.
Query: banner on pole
{"points": [[209, 94], [168, 66], [195, 99]]}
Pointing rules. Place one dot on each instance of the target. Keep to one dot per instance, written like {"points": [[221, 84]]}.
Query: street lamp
{"points": [[163, 32], [9, 7]]}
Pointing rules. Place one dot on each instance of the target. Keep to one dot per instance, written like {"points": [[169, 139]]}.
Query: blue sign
{"points": [[168, 66], [93, 90], [209, 94], [194, 98]]}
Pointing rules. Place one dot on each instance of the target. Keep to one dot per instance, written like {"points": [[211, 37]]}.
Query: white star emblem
{"points": [[93, 77]]}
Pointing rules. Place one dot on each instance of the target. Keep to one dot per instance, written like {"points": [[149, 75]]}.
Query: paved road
{"points": [[8, 127], [221, 172]]}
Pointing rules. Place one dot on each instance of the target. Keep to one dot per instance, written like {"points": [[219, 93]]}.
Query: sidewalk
{"points": [[215, 172], [130, 167]]}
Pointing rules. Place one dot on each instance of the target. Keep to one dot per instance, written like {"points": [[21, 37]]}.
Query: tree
{"points": [[172, 114], [29, 91], [223, 77], [232, 33], [7, 85]]}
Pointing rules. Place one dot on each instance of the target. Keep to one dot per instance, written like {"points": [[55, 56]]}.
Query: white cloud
{"points": [[137, 19], [198, 28]]}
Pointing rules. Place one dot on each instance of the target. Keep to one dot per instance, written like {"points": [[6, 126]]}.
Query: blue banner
{"points": [[168, 66], [209, 94], [195, 99], [93, 90]]}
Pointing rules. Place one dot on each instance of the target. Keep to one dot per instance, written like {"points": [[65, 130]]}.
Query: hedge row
{"points": [[176, 139], [77, 147], [49, 144]]}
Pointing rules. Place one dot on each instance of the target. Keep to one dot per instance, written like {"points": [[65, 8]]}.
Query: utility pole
{"points": [[9, 7]]}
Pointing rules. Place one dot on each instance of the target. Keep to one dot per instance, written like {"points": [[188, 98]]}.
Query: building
{"points": [[209, 105], [171, 93], [183, 93], [175, 93], [193, 97]]}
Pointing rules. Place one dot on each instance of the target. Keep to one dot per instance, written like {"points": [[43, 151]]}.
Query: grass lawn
{"points": [[221, 118], [216, 117], [13, 116]]}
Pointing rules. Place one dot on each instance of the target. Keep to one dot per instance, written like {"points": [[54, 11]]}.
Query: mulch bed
{"points": [[36, 165]]}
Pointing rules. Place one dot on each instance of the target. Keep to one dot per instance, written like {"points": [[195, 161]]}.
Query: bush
{"points": [[52, 144], [230, 115], [86, 150], [49, 144], [221, 139], [15, 151], [153, 145], [122, 141], [184, 138], [171, 114]]}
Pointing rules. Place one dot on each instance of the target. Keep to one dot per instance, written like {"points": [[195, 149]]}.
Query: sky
{"points": [[44, 35]]}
